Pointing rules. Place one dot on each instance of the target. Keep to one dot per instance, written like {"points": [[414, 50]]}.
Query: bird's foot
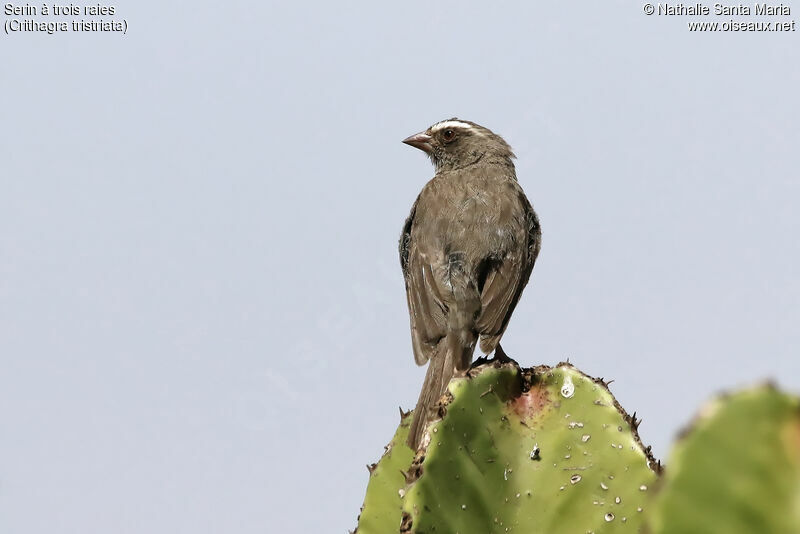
{"points": [[500, 355], [478, 362]]}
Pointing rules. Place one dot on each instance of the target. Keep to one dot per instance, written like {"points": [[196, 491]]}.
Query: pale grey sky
{"points": [[203, 325]]}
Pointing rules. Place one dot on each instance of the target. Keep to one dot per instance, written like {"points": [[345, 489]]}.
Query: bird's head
{"points": [[454, 143]]}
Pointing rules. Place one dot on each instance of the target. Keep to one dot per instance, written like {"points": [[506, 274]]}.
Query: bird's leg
{"points": [[500, 355]]}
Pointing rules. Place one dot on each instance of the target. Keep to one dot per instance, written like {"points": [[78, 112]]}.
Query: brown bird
{"points": [[467, 251]]}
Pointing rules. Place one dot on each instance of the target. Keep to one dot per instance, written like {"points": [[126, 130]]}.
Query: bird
{"points": [[467, 250]]}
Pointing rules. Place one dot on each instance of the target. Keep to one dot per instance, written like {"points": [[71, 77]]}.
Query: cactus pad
{"points": [[545, 450], [383, 504], [737, 470]]}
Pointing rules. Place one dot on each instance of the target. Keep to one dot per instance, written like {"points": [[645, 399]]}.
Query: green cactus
{"points": [[383, 504], [546, 450], [549, 450], [737, 470]]}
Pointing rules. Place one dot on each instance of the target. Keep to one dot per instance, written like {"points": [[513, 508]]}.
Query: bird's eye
{"points": [[449, 135]]}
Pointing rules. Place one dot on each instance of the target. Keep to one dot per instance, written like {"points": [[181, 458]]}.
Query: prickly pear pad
{"points": [[736, 470], [383, 504], [545, 450]]}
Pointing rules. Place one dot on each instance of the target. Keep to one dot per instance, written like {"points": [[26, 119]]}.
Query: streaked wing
{"points": [[504, 284], [426, 308]]}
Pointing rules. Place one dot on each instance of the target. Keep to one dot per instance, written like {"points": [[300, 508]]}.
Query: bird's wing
{"points": [[425, 306], [505, 282]]}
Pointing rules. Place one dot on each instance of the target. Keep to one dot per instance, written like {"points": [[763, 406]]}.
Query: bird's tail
{"points": [[440, 370], [453, 352]]}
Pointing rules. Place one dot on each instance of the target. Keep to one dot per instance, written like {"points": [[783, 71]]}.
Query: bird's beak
{"points": [[421, 141]]}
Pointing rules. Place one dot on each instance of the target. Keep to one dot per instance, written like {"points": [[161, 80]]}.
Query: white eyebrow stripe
{"points": [[450, 124]]}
